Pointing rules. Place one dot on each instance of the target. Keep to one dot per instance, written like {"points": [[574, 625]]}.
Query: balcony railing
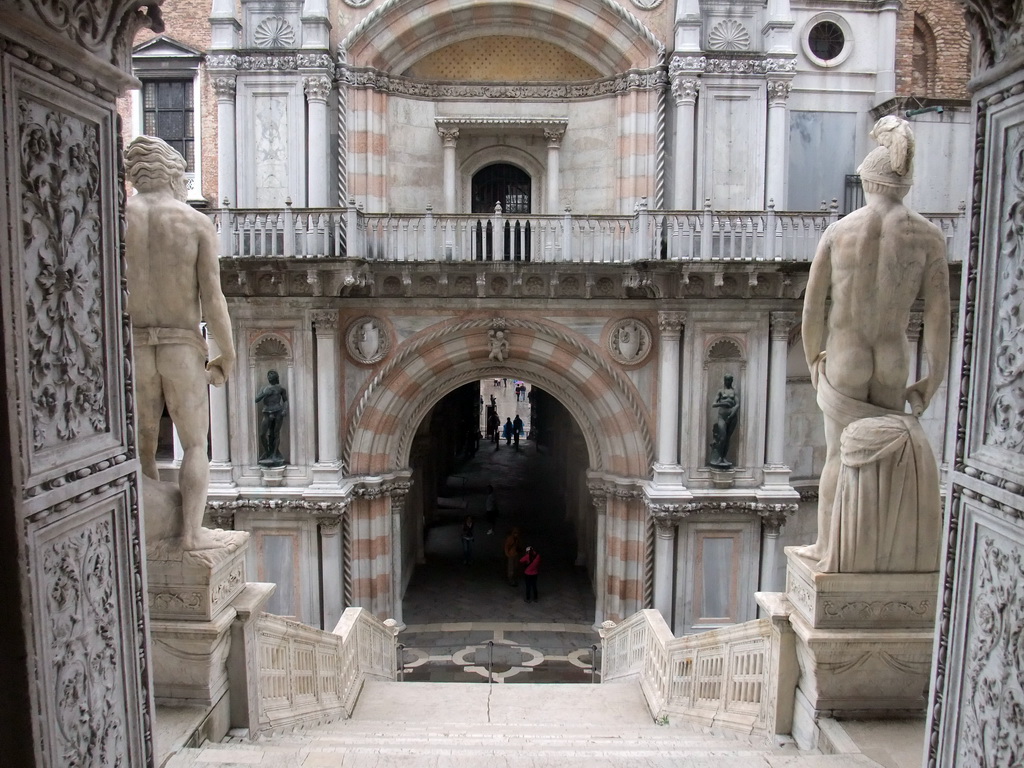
{"points": [[682, 236]]}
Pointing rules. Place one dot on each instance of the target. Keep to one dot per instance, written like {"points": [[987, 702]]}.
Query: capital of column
{"points": [[330, 525], [224, 87], [772, 522], [665, 518], [317, 87], [684, 89], [782, 323], [778, 91], [222, 519], [598, 497], [325, 320], [671, 323], [449, 136], [914, 326], [554, 136]]}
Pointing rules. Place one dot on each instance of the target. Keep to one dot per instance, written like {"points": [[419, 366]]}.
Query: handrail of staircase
{"points": [[680, 236], [307, 675], [741, 677]]}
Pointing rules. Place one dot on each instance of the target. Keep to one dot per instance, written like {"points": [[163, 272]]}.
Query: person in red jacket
{"points": [[531, 561]]}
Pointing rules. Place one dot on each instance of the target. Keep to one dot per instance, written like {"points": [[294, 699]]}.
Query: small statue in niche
{"points": [[275, 407], [499, 345], [727, 402]]}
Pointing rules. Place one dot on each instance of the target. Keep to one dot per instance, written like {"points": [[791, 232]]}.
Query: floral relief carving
{"points": [[729, 35], [991, 729], [84, 647], [1006, 388], [62, 245]]}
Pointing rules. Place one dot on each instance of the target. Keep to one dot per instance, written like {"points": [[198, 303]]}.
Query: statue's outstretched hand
{"points": [[217, 371]]}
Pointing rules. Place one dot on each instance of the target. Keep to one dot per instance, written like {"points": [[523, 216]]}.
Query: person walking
{"points": [[494, 428], [517, 430], [512, 557], [467, 540], [531, 561], [507, 431], [491, 509]]}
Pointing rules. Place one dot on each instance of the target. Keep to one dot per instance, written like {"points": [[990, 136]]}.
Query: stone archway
{"points": [[615, 424]]}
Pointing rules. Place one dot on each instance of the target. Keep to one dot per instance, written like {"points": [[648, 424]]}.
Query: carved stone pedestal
{"points": [[863, 643], [190, 595]]}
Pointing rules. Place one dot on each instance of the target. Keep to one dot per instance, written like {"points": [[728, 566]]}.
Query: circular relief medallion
{"points": [[646, 5], [274, 32], [534, 286], [367, 340], [629, 341]]}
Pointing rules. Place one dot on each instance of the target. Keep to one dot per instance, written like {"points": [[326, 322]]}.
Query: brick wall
{"points": [[188, 22], [950, 55]]}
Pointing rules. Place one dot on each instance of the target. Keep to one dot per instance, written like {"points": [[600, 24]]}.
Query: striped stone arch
{"points": [[600, 32], [603, 401]]}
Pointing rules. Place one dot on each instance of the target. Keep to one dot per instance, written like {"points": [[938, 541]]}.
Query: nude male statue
{"points": [[874, 263], [174, 282]]}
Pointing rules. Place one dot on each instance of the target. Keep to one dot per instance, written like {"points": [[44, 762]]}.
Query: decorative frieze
{"points": [[678, 512], [258, 61], [316, 508]]}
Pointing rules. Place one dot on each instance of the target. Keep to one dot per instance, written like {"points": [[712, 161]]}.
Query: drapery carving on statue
{"points": [[62, 271], [1005, 423], [878, 508], [992, 705], [82, 658], [173, 276]]}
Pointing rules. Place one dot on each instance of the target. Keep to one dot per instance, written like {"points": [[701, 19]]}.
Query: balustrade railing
{"points": [[736, 677], [305, 674], [680, 236]]}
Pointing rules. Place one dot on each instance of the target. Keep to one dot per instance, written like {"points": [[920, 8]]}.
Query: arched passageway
{"points": [[538, 489]]}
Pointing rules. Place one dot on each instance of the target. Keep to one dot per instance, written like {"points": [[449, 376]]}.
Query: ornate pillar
{"points": [[666, 521], [667, 469], [220, 447], [772, 520], [778, 128], [449, 138], [327, 469], [684, 73], [554, 139], [776, 472], [331, 554], [317, 88], [599, 498], [227, 189], [399, 494]]}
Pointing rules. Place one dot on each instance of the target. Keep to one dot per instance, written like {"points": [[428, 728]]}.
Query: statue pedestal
{"points": [[191, 612], [863, 643]]}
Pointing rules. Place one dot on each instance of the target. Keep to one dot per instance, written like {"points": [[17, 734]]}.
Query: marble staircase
{"points": [[523, 725]]}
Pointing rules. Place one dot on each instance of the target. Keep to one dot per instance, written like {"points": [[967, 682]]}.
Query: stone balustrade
{"points": [[740, 677], [683, 236]]}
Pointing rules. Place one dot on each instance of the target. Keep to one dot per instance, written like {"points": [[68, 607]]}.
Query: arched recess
{"points": [[600, 32], [503, 153], [601, 399]]}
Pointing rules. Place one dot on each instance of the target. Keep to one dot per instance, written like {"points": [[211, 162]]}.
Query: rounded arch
{"points": [[601, 399], [503, 153], [600, 32]]}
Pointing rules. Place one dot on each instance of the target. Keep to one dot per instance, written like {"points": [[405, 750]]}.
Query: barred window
{"points": [[167, 112]]}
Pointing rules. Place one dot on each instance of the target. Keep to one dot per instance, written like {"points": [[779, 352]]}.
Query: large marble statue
{"points": [[727, 403], [275, 407], [174, 282], [879, 505]]}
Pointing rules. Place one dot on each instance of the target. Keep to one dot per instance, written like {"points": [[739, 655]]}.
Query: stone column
{"points": [[317, 89], [914, 328], [399, 493], [327, 469], [554, 139], [330, 568], [665, 524], [776, 472], [449, 138], [778, 127], [771, 526], [220, 444], [599, 498], [685, 76], [667, 470], [227, 190]]}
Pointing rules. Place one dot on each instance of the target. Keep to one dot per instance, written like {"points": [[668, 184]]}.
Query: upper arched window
{"points": [[922, 76]]}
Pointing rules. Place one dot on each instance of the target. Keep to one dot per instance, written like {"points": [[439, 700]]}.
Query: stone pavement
{"points": [[452, 610]]}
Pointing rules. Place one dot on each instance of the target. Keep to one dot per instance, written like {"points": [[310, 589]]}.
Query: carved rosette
{"points": [[729, 35], [367, 340], [317, 88], [62, 246], [778, 91], [629, 341], [274, 32]]}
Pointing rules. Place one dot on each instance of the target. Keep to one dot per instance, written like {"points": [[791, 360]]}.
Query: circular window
{"points": [[827, 40]]}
